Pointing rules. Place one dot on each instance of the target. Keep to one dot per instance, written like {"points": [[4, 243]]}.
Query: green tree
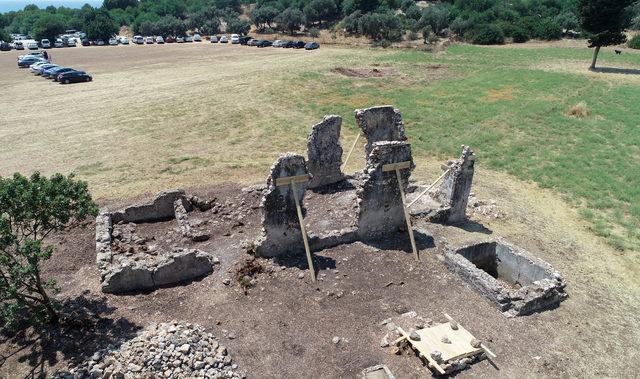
{"points": [[487, 34], [49, 26], [5, 36], [604, 22], [319, 10], [100, 26], [30, 210], [381, 26], [167, 26], [263, 17], [290, 20], [119, 4], [238, 25]]}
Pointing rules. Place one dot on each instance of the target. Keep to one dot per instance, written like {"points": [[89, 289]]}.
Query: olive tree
{"points": [[30, 210]]}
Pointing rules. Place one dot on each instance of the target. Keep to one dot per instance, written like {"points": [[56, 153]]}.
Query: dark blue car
{"points": [[74, 77]]}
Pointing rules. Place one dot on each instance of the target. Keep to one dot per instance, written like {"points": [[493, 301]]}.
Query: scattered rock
{"points": [[414, 335], [336, 340]]}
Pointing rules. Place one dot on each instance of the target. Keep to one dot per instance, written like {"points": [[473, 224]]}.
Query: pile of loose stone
{"points": [[168, 350]]}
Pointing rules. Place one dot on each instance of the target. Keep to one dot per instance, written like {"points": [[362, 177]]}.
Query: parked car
{"points": [[54, 73], [299, 44], [58, 44], [18, 45], [235, 39], [197, 38], [180, 39], [5, 46], [159, 40], [29, 60], [253, 42], [277, 43], [71, 42], [244, 40], [124, 40], [264, 43], [45, 44], [169, 39], [213, 39], [139, 40], [46, 73], [99, 42], [85, 42], [32, 45], [288, 44], [32, 54], [188, 39], [223, 39], [113, 42], [38, 67], [74, 77], [311, 46], [149, 40]]}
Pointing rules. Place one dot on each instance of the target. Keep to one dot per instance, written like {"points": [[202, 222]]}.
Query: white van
{"points": [[138, 40], [45, 43], [235, 39]]}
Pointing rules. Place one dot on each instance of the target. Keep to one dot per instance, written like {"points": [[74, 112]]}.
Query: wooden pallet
{"points": [[431, 340]]}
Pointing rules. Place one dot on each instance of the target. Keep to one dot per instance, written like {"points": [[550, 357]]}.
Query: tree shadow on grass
{"points": [[615, 70], [84, 329]]}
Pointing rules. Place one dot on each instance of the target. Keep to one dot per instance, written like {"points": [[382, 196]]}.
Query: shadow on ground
{"points": [[400, 241], [84, 329], [615, 70]]}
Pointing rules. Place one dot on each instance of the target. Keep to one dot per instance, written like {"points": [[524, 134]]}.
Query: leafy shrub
{"points": [[634, 42], [487, 34], [351, 23], [412, 36], [290, 20], [547, 29], [460, 26], [520, 35], [381, 26], [314, 32], [437, 16], [31, 209]]}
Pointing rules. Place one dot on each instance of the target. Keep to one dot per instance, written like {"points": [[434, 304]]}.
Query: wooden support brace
{"points": [[487, 351], [397, 167], [428, 188], [349, 153], [292, 180]]}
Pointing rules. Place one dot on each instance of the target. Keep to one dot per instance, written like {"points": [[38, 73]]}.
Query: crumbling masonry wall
{"points": [[281, 229], [379, 201], [381, 123], [455, 188], [324, 152]]}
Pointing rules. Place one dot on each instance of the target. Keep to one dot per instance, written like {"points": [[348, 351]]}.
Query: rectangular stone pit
{"points": [[518, 283]]}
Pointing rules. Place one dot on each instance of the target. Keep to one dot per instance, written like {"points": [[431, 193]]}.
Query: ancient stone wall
{"points": [[159, 209], [381, 123], [454, 191], [281, 229], [324, 152], [380, 205]]}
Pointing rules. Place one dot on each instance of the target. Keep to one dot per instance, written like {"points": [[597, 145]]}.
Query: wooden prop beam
{"points": [[397, 167], [423, 353], [428, 188], [350, 151], [292, 180]]}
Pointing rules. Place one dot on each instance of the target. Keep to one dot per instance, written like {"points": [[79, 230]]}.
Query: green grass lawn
{"points": [[510, 105]]}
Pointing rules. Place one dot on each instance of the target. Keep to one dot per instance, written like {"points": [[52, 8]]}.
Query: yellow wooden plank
{"points": [[407, 216], [460, 345], [285, 181], [424, 352], [398, 165]]}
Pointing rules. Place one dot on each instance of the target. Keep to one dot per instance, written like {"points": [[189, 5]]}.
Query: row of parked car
{"points": [[38, 65]]}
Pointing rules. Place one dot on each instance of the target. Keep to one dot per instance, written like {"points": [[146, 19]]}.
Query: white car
{"points": [[124, 40], [180, 39], [71, 42], [150, 40], [235, 39], [159, 40], [224, 39], [138, 40], [113, 42], [32, 45], [58, 44], [197, 38], [213, 39], [45, 43]]}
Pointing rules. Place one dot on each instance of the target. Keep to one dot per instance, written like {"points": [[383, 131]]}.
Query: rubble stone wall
{"points": [[381, 123], [454, 191], [324, 152]]}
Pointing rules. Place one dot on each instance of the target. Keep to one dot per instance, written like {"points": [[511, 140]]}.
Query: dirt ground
{"points": [[284, 326]]}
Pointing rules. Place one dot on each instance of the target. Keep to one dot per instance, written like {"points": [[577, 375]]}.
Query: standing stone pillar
{"points": [[456, 186], [381, 123], [280, 227], [325, 152], [380, 205]]}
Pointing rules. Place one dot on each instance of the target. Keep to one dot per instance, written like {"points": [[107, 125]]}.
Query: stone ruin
{"points": [[448, 204], [381, 123], [511, 278], [324, 152], [128, 263], [281, 229], [380, 208]]}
